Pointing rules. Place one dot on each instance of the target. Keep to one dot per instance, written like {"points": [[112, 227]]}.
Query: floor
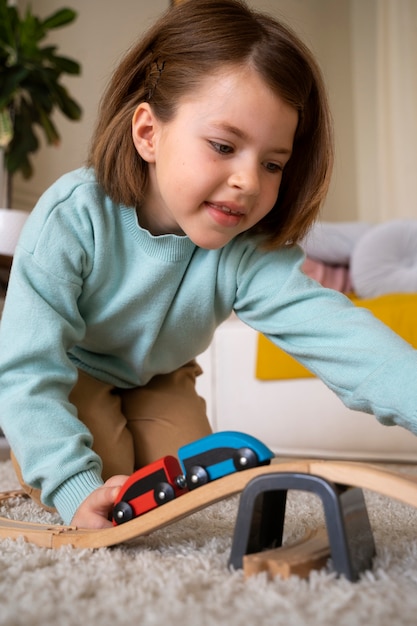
{"points": [[4, 449]]}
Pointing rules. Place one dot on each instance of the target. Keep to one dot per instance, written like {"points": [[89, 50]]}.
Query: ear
{"points": [[144, 125]]}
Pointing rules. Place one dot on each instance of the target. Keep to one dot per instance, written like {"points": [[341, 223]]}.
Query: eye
{"points": [[221, 148], [273, 167]]}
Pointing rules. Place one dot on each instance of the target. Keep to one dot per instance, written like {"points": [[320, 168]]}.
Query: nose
{"points": [[246, 178]]}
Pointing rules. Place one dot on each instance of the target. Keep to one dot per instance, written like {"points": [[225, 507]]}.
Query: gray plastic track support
{"points": [[261, 513]]}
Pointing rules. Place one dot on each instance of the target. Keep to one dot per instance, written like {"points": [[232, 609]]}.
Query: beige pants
{"points": [[134, 427]]}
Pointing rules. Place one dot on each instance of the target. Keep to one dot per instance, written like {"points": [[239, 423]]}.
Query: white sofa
{"points": [[299, 417]]}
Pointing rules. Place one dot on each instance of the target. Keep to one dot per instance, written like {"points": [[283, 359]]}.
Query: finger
{"points": [[116, 481], [95, 511], [103, 498]]}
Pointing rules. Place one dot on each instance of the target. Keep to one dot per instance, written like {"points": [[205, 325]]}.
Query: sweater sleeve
{"points": [[366, 364], [40, 323]]}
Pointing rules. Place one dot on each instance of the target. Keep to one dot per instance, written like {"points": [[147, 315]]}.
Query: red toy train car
{"points": [[148, 488]]}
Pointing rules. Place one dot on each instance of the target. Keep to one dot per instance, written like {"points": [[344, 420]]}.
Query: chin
{"points": [[210, 239], [210, 244]]}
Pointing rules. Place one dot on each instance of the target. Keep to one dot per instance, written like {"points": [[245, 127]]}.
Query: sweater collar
{"points": [[169, 248]]}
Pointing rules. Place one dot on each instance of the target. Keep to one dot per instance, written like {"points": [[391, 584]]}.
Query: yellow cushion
{"points": [[398, 311]]}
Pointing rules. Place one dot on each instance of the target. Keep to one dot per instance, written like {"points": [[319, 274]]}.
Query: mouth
{"points": [[225, 208], [225, 215]]}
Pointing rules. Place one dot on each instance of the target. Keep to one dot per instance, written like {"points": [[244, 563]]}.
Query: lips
{"points": [[225, 208], [228, 215]]}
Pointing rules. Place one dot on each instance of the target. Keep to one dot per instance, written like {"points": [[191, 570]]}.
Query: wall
{"points": [[364, 34], [105, 29], [384, 44]]}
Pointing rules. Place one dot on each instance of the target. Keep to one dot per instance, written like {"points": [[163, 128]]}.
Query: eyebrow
{"points": [[234, 130]]}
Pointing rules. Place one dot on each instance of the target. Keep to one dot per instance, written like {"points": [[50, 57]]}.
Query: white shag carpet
{"points": [[179, 575]]}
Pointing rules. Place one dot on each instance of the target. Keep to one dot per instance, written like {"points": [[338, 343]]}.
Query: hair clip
{"points": [[160, 68]]}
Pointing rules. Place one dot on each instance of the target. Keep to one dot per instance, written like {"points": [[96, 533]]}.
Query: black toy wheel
{"points": [[196, 477], [245, 458], [163, 492], [122, 512]]}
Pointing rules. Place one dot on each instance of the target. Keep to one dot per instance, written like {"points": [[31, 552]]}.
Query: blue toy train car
{"points": [[220, 454]]}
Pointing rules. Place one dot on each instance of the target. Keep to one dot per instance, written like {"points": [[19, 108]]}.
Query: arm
{"points": [[40, 323], [367, 365]]}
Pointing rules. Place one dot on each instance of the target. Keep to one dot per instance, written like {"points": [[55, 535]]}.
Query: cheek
{"points": [[270, 196], [179, 186]]}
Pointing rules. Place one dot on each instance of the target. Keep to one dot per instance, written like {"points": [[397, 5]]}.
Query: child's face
{"points": [[216, 167]]}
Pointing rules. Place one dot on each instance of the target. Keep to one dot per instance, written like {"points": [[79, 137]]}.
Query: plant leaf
{"points": [[59, 18], [10, 79], [69, 107], [6, 128], [61, 63], [49, 129]]}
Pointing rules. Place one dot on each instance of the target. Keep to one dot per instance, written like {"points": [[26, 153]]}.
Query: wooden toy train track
{"points": [[389, 483]]}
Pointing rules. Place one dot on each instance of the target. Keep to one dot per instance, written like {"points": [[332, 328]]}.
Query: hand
{"points": [[95, 510]]}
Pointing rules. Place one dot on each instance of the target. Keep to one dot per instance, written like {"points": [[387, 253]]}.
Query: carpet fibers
{"points": [[179, 575]]}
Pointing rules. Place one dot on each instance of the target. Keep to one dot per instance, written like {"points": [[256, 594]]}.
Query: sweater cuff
{"points": [[68, 497]]}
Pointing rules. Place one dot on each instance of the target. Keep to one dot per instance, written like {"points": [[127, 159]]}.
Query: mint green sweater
{"points": [[90, 289]]}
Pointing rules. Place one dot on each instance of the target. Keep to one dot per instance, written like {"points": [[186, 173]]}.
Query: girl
{"points": [[210, 160]]}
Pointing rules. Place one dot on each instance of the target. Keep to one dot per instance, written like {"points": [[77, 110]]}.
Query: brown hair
{"points": [[187, 43]]}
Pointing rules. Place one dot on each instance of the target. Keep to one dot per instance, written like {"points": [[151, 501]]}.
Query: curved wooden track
{"points": [[388, 483]]}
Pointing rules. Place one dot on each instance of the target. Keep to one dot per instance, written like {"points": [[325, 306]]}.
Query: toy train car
{"points": [[221, 454], [149, 487]]}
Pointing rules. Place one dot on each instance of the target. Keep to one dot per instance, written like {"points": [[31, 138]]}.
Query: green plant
{"points": [[30, 84]]}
